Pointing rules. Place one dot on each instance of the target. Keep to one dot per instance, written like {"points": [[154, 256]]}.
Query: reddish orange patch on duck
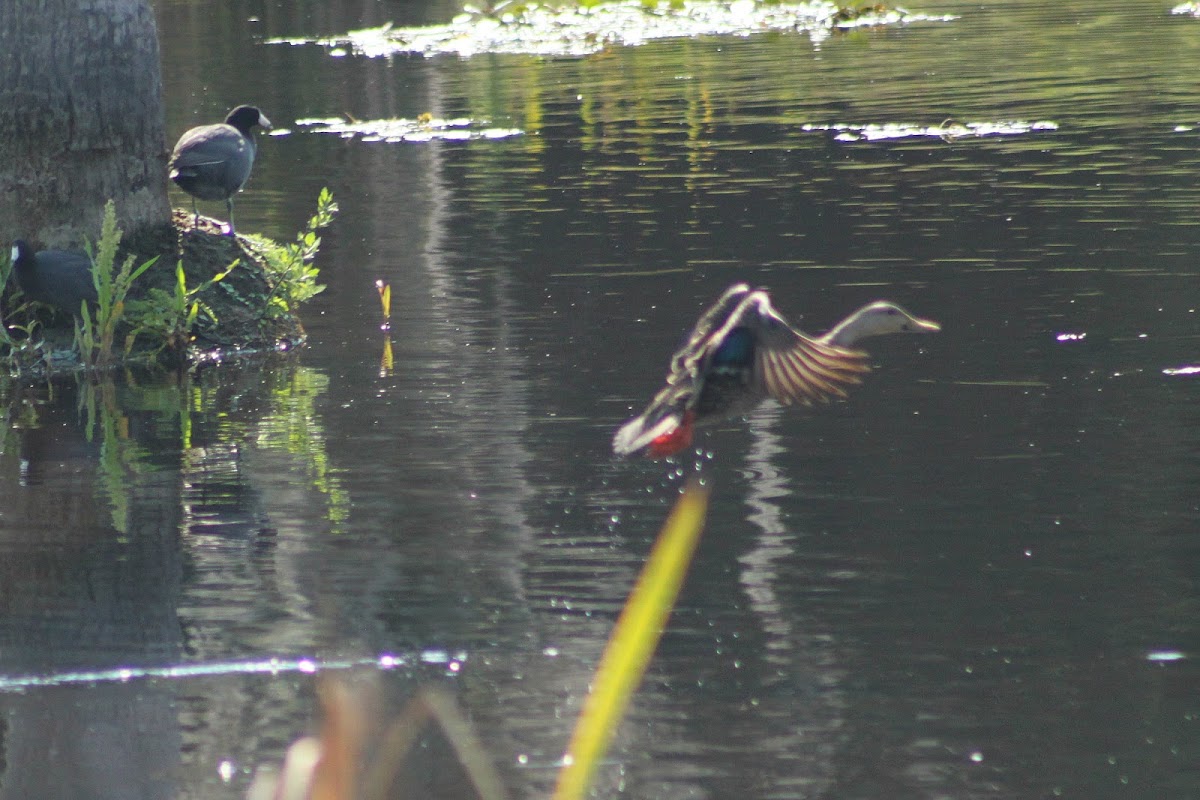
{"points": [[674, 440]]}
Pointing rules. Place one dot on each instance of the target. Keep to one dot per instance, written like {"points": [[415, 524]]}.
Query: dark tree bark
{"points": [[81, 119]]}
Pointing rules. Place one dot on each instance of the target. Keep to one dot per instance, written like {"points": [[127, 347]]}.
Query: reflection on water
{"points": [[91, 575], [960, 583], [126, 502]]}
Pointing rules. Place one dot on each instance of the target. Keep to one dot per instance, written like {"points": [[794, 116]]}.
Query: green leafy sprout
{"points": [[94, 334], [289, 267]]}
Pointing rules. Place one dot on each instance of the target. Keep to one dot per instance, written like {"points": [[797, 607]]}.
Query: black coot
{"points": [[213, 162], [61, 278]]}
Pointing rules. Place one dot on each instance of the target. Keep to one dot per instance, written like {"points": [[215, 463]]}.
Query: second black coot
{"points": [[61, 278], [213, 162]]}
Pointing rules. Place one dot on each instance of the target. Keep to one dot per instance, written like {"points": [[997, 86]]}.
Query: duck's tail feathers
{"points": [[656, 436]]}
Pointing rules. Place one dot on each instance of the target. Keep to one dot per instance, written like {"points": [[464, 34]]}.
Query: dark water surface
{"points": [[977, 578]]}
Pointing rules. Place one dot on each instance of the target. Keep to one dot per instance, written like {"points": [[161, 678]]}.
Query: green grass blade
{"points": [[633, 642], [145, 266]]}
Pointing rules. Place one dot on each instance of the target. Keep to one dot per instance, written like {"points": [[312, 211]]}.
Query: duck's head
{"points": [[877, 319]]}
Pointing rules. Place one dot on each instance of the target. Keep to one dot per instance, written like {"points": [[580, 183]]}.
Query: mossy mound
{"points": [[205, 295], [239, 302]]}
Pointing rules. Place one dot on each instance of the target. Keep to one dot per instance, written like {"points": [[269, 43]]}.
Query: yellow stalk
{"points": [[385, 300], [633, 642]]}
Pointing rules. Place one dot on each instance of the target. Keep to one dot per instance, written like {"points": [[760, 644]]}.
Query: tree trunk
{"points": [[81, 119]]}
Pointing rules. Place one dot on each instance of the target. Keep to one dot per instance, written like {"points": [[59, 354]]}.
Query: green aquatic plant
{"points": [[94, 333], [26, 348], [289, 267], [169, 317]]}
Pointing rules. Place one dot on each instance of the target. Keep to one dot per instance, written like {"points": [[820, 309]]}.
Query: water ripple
{"points": [[267, 666]]}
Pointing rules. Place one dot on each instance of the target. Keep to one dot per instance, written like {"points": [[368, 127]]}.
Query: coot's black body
{"points": [[213, 162], [61, 278]]}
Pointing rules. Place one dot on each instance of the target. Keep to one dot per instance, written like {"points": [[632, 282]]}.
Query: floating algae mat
{"points": [[578, 30], [947, 131], [407, 130]]}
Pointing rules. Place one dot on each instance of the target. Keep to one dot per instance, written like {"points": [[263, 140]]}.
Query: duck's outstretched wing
{"points": [[789, 366], [666, 425], [707, 334]]}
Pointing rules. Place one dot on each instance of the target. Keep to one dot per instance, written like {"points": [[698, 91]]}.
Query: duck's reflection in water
{"points": [[801, 673]]}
